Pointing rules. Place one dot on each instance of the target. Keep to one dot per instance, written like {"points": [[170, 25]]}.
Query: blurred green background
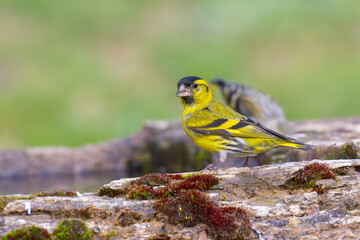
{"points": [[76, 72]]}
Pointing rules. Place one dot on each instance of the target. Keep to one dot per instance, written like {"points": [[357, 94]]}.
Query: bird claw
{"points": [[246, 164], [212, 167]]}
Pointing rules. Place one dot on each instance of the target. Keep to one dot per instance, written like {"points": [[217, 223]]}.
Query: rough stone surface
{"points": [[276, 212]]}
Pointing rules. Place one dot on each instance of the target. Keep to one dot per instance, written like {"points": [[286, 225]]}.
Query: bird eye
{"points": [[195, 85]]}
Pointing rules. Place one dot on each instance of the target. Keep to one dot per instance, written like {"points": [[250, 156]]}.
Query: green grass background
{"points": [[77, 72]]}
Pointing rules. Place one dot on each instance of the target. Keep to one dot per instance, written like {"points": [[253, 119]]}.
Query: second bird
{"points": [[219, 129], [254, 104]]}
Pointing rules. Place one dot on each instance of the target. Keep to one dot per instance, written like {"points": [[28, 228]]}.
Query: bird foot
{"points": [[246, 164], [212, 167]]}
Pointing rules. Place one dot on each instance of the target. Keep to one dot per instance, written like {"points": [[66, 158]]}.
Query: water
{"points": [[81, 183]]}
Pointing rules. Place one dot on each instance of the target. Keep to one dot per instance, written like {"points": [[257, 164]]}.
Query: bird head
{"points": [[193, 90]]}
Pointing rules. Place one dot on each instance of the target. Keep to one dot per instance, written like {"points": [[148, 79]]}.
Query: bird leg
{"points": [[246, 163]]}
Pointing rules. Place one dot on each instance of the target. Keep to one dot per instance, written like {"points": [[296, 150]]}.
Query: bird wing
{"points": [[219, 120]]}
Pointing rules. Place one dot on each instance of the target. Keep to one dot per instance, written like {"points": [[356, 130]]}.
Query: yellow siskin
{"points": [[219, 129], [254, 104]]}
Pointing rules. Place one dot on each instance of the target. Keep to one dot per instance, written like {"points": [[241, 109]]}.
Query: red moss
{"points": [[185, 208], [141, 193], [192, 207], [127, 217], [159, 178], [228, 223], [184, 202], [159, 237], [200, 182], [163, 192], [307, 177]]}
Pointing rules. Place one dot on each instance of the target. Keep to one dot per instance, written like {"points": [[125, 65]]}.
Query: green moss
{"points": [[106, 191], [4, 200], [159, 237], [187, 175], [140, 193], [348, 151], [72, 229], [60, 193], [109, 235], [28, 233]]}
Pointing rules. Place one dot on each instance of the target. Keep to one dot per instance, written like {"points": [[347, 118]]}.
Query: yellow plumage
{"points": [[217, 128]]}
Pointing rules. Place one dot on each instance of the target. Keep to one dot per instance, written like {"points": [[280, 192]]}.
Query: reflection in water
{"points": [[81, 183]]}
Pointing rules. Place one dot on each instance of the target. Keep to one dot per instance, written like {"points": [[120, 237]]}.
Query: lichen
{"points": [[28, 233], [72, 229]]}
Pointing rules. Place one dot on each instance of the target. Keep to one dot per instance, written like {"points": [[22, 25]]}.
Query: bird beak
{"points": [[183, 92]]}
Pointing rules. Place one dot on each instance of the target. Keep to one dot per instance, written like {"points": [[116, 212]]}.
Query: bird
{"points": [[217, 128], [254, 104]]}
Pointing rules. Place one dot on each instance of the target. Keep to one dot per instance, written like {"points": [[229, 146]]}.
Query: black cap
{"points": [[187, 81]]}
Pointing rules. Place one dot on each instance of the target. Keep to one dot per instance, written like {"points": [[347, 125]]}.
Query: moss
{"points": [[192, 207], [184, 201], [109, 235], [83, 213], [141, 193], [106, 191], [347, 151], [72, 229], [158, 178], [60, 193], [201, 182], [152, 179], [159, 237], [127, 217], [307, 177], [28, 233], [187, 175], [4, 200]]}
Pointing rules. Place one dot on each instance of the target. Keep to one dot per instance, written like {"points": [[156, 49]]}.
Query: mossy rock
{"points": [[72, 229], [28, 233]]}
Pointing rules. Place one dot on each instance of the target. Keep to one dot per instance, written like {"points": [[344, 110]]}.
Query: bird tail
{"points": [[297, 145]]}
